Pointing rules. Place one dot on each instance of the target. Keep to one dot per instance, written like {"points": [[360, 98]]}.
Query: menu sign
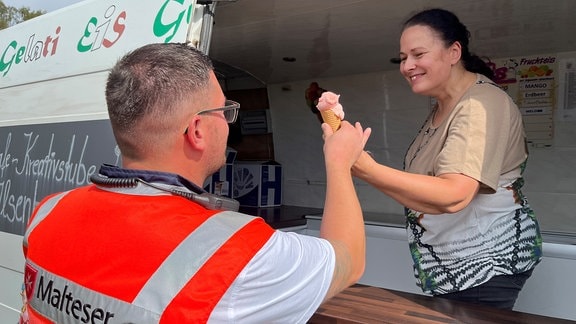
{"points": [[531, 82]]}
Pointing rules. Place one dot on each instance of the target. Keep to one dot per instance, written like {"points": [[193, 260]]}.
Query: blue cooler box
{"points": [[258, 183], [222, 182]]}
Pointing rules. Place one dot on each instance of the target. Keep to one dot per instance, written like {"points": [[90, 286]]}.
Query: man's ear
{"points": [[196, 134]]}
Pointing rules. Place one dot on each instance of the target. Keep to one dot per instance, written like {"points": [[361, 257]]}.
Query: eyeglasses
{"points": [[230, 111]]}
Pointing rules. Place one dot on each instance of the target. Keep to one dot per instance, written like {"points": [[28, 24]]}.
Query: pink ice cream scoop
{"points": [[331, 110]]}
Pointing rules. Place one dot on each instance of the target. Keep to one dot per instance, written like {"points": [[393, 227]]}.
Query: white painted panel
{"points": [[11, 277], [550, 290], [11, 256], [10, 298], [8, 316], [73, 98]]}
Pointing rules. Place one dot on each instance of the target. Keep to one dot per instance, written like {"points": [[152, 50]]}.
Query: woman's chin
{"points": [[418, 89]]}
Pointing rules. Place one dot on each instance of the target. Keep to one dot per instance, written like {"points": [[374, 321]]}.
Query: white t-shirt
{"points": [[285, 282]]}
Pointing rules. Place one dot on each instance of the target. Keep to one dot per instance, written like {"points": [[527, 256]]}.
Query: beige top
{"points": [[483, 138], [496, 233]]}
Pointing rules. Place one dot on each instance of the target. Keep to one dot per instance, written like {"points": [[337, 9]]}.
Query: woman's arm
{"points": [[446, 193]]}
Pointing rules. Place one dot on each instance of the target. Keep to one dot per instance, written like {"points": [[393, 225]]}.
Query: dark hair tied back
{"points": [[451, 30]]}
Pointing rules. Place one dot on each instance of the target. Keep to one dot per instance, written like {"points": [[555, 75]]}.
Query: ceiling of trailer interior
{"points": [[280, 41]]}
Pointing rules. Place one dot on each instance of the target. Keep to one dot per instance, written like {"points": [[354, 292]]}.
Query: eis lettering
{"points": [[102, 33]]}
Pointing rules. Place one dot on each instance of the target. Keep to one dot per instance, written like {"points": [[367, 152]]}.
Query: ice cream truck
{"points": [[54, 129]]}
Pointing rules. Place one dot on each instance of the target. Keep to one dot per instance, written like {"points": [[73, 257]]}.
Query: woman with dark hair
{"points": [[472, 234]]}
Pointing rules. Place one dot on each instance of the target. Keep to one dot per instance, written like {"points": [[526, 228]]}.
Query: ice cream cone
{"points": [[331, 119]]}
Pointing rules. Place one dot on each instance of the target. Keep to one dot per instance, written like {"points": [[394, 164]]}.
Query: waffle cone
{"points": [[331, 119]]}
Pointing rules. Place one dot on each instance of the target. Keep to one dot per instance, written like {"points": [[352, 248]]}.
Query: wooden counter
{"points": [[366, 304]]}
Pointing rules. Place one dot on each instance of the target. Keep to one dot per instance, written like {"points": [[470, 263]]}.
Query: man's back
{"points": [[151, 251]]}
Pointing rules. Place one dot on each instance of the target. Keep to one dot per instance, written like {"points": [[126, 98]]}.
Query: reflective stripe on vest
{"points": [[63, 301], [40, 214], [202, 243]]}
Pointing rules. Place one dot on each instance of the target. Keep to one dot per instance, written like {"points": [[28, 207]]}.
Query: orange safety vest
{"points": [[95, 256]]}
